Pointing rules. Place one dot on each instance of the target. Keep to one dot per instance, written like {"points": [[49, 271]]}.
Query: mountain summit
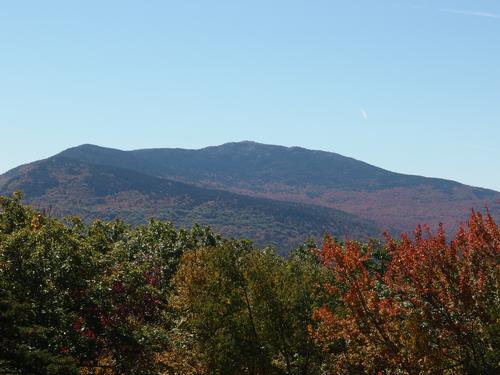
{"points": [[300, 175], [268, 193]]}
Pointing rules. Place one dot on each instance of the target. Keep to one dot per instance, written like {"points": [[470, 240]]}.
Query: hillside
{"points": [[300, 175], [66, 186]]}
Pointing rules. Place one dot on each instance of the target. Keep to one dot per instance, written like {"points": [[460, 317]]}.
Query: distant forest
{"points": [[108, 298]]}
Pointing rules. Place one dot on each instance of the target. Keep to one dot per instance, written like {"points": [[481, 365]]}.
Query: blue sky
{"points": [[409, 85]]}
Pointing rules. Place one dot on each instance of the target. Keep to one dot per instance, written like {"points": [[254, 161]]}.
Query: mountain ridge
{"points": [[308, 176], [227, 145], [313, 178]]}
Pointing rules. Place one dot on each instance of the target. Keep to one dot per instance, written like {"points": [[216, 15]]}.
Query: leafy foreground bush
{"points": [[105, 298]]}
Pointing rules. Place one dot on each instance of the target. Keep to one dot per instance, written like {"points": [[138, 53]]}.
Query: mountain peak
{"points": [[250, 147], [242, 145], [87, 147], [300, 175]]}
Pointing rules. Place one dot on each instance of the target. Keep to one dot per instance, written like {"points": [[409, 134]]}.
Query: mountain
{"points": [[271, 194], [67, 186], [296, 174]]}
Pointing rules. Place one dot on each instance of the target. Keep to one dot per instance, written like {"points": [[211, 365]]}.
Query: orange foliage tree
{"points": [[433, 307]]}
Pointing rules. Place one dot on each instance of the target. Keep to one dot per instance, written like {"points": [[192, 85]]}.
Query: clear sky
{"points": [[409, 85]]}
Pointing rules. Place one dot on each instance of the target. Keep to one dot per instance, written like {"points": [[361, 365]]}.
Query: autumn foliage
{"points": [[108, 298], [431, 306]]}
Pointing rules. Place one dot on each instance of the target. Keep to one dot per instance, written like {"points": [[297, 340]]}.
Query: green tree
{"points": [[33, 293], [241, 310]]}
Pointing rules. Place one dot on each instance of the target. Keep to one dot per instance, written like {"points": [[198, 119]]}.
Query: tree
{"points": [[242, 310], [92, 297], [434, 308], [30, 304], [131, 319]]}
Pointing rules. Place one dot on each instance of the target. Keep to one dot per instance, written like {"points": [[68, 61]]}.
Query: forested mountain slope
{"points": [[66, 186], [300, 175]]}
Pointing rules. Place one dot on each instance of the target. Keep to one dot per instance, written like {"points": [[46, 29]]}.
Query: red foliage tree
{"points": [[435, 308]]}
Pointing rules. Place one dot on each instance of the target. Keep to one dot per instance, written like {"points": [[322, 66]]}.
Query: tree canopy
{"points": [[108, 298]]}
